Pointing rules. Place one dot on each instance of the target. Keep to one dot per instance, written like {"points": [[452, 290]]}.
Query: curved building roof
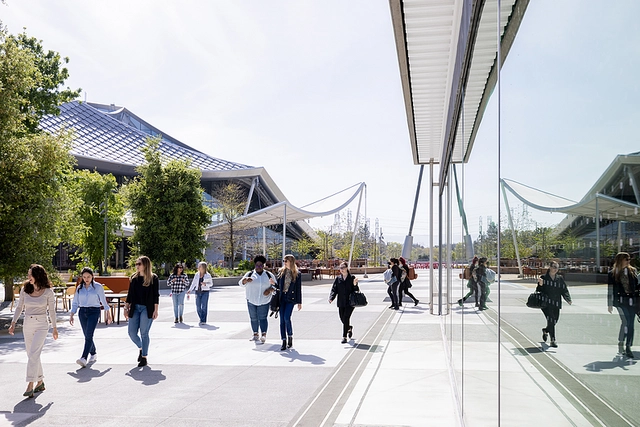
{"points": [[114, 135]]}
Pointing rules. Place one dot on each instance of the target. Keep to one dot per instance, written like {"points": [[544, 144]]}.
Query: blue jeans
{"points": [[178, 304], [89, 320], [202, 305], [258, 313], [627, 318], [140, 320], [286, 308]]}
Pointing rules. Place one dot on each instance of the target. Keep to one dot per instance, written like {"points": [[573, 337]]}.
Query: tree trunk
{"points": [[8, 289]]}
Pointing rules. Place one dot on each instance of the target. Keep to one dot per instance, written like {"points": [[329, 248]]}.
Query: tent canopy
{"points": [[275, 214], [596, 204]]}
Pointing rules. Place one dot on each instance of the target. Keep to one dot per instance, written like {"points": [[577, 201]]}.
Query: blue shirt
{"points": [[89, 296]]}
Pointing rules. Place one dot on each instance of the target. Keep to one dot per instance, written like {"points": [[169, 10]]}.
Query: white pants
{"points": [[35, 330]]}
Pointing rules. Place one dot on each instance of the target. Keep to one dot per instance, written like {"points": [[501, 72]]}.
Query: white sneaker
{"points": [[82, 362], [93, 358], [263, 338], [254, 338]]}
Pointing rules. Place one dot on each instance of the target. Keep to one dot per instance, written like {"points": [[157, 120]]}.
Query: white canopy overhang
{"points": [[592, 206], [276, 214]]}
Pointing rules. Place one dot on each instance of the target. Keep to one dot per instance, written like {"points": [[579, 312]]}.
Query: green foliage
{"points": [[37, 89], [305, 248], [36, 208], [246, 265], [230, 200], [96, 190], [166, 203]]}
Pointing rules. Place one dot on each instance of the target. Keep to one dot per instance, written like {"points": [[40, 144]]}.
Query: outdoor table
{"points": [[111, 296]]}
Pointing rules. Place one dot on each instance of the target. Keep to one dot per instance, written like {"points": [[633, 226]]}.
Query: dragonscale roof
{"points": [[115, 135]]}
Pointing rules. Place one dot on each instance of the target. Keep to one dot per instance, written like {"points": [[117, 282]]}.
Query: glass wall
{"points": [[561, 125]]}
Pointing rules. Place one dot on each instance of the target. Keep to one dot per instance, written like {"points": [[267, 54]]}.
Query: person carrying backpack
{"points": [[397, 274], [406, 283], [390, 279], [471, 283]]}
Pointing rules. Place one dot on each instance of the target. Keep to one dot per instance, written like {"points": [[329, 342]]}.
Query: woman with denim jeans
{"points": [[178, 282], [257, 284], [623, 295], [201, 284], [290, 290], [89, 299], [141, 306]]}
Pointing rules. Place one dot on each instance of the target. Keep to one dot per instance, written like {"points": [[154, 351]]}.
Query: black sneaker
{"points": [[628, 352], [553, 344], [142, 362]]}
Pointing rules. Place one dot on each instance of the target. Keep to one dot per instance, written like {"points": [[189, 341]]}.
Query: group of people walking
{"points": [[398, 283], [477, 282]]}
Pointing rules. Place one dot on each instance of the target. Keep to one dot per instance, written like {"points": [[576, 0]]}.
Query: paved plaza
{"points": [[395, 371]]}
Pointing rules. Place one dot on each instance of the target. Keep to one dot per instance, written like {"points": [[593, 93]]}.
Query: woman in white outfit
{"points": [[257, 284], [36, 297]]}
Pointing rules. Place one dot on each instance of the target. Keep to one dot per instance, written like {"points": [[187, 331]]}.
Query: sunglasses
{"points": [[138, 263]]}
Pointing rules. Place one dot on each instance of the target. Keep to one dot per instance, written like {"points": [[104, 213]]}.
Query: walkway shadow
{"points": [[310, 358], [29, 407], [146, 375], [84, 375], [209, 327], [617, 362], [182, 326]]}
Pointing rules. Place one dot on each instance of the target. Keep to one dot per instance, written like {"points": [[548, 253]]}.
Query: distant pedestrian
{"points": [[554, 288], [404, 287], [201, 284], [178, 282], [290, 291], [89, 299], [344, 285], [389, 278], [479, 276], [623, 295], [36, 299], [471, 283], [141, 306], [257, 284], [397, 273]]}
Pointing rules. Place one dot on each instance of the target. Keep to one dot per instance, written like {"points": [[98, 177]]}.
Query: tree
{"points": [[166, 203], [96, 191], [230, 200], [36, 207], [304, 248]]}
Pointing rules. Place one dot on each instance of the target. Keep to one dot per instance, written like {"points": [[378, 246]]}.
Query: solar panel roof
{"points": [[102, 135]]}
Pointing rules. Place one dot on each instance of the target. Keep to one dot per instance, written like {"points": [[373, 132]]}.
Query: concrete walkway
{"points": [[395, 372]]}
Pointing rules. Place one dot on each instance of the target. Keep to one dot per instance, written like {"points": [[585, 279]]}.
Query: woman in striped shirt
{"points": [[178, 282]]}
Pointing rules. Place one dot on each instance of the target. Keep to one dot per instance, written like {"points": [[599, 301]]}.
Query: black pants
{"points": [[345, 318], [552, 314], [482, 288], [404, 287]]}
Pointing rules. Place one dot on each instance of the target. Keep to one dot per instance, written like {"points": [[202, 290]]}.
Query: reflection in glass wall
{"points": [[570, 163]]}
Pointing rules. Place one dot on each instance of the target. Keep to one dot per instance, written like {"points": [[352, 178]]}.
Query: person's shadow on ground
{"points": [[146, 375], [617, 362], [209, 327], [26, 406], [84, 375], [182, 326], [310, 358]]}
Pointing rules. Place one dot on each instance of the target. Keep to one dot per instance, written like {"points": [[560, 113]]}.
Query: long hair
{"points": [[294, 267], [176, 267], [474, 261], [147, 272], [40, 277], [345, 265], [402, 261], [81, 283], [617, 265], [202, 264]]}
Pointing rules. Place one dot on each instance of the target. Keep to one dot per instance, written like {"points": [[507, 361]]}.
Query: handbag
{"points": [[357, 299], [274, 305], [537, 300]]}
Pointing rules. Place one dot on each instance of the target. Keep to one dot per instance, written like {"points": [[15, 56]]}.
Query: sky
{"points": [[311, 91]]}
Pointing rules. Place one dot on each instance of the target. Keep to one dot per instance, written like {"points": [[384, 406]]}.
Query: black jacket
{"points": [[617, 297], [554, 290], [397, 272], [343, 288], [294, 294], [148, 296]]}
